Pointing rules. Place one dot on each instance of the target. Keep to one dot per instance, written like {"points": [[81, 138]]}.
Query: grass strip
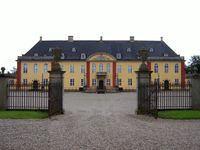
{"points": [[11, 114]]}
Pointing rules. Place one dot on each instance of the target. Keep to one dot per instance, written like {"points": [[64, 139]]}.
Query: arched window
{"points": [[93, 68], [176, 68], [166, 68], [100, 67], [156, 68]]}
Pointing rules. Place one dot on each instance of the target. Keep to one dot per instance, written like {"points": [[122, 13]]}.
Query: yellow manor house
{"points": [[106, 64]]}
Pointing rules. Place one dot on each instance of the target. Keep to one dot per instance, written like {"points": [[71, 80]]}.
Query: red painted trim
{"points": [[18, 72], [149, 65], [114, 74], [182, 74], [88, 74]]}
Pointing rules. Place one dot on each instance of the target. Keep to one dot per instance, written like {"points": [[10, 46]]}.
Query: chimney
{"points": [[101, 38], [70, 38], [161, 38], [131, 38], [40, 38]]}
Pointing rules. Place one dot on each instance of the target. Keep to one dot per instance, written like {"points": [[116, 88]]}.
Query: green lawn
{"points": [[23, 114], [179, 114]]}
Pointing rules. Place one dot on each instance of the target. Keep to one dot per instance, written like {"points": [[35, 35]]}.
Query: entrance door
{"points": [[166, 84], [101, 84]]}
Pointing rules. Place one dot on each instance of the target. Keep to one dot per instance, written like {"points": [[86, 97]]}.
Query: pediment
{"points": [[101, 57]]}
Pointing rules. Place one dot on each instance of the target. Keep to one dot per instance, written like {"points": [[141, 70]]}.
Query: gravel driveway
{"points": [[99, 121]]}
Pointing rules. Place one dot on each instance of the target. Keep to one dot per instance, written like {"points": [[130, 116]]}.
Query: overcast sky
{"points": [[22, 22]]}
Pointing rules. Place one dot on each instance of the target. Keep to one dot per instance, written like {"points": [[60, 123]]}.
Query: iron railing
{"points": [[27, 96]]}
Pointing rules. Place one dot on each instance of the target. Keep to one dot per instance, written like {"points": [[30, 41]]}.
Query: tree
{"points": [[194, 64]]}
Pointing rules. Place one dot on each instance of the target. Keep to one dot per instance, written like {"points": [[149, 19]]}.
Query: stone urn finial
{"points": [[143, 53], [3, 70], [56, 57]]}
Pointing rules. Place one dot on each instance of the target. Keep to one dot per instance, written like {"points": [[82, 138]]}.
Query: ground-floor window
{"points": [[71, 82], [119, 82], [108, 82], [44, 81], [25, 82], [130, 82], [82, 82], [176, 81], [94, 82]]}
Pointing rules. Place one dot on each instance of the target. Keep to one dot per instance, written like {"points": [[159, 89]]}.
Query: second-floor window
{"points": [[176, 68], [93, 68], [108, 68], [35, 68], [82, 69], [129, 69], [166, 67], [45, 68], [119, 68], [100, 67], [71, 69], [25, 68], [156, 68]]}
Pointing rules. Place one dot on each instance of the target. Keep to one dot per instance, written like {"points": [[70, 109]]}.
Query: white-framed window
{"points": [[119, 68], [94, 82], [156, 68], [45, 81], [82, 69], [108, 82], [71, 82], [119, 82], [100, 67], [35, 68], [129, 69], [130, 82], [93, 68], [25, 68], [108, 68], [71, 68], [176, 81], [176, 68], [166, 68], [82, 82], [45, 68], [25, 81]]}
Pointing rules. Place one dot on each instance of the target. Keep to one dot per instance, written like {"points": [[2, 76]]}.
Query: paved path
{"points": [[98, 121]]}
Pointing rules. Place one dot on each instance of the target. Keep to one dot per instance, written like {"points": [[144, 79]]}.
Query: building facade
{"points": [[100, 64]]}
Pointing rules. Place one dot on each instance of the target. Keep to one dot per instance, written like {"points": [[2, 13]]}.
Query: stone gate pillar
{"points": [[143, 83], [56, 88], [195, 91], [3, 91]]}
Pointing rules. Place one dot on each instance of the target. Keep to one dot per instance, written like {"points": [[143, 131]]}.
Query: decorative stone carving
{"points": [[56, 57]]}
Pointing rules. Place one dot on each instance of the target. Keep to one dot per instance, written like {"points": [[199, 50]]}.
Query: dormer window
{"points": [[62, 56], [128, 49], [50, 49], [165, 55], [83, 56], [151, 49], [35, 54], [73, 49], [119, 56]]}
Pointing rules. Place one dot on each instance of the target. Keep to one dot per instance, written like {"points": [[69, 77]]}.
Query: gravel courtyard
{"points": [[99, 121]]}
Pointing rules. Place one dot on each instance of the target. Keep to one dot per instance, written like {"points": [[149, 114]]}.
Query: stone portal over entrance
{"points": [[101, 73]]}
